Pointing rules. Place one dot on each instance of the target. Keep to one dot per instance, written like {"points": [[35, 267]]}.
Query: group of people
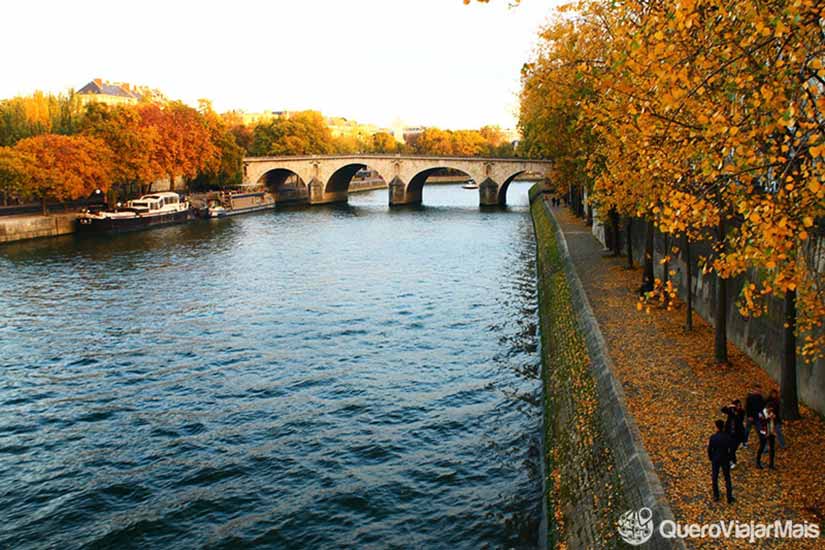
{"points": [[555, 201], [760, 414]]}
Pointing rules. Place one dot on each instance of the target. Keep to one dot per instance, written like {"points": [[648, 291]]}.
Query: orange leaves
{"points": [[66, 167], [686, 112], [13, 171]]}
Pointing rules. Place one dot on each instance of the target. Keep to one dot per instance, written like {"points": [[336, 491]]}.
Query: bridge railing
{"points": [[396, 157]]}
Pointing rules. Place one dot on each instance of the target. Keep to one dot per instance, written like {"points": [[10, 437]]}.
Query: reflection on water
{"points": [[341, 376]]}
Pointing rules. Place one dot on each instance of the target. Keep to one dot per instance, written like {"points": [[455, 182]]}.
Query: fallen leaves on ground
{"points": [[674, 392]]}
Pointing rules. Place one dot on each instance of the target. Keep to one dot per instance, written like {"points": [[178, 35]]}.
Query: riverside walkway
{"points": [[674, 391]]}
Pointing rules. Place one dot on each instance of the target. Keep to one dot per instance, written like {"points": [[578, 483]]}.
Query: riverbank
{"points": [[674, 391], [32, 226], [595, 462]]}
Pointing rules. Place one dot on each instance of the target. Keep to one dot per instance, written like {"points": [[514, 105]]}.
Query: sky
{"points": [[429, 62]]}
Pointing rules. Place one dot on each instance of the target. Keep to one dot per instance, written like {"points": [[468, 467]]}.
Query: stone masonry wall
{"points": [[17, 228], [597, 466]]}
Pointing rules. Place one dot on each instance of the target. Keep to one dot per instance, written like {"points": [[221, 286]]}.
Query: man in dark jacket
{"points": [[719, 452], [753, 406], [734, 426]]}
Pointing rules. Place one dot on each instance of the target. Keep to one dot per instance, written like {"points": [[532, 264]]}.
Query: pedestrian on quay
{"points": [[774, 403], [734, 426], [719, 454], [767, 436], [754, 404]]}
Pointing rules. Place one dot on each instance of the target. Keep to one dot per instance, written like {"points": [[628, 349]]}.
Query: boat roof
{"points": [[161, 195]]}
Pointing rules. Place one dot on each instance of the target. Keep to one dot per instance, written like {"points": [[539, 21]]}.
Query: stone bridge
{"points": [[326, 179]]}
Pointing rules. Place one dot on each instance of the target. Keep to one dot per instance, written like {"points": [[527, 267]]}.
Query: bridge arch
{"points": [[414, 190], [340, 180], [285, 185], [505, 185]]}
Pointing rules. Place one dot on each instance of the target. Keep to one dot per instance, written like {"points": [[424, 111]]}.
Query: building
{"points": [[117, 93], [404, 133], [343, 127], [253, 119]]}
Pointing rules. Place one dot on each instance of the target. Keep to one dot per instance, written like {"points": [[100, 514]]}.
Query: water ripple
{"points": [[343, 376]]}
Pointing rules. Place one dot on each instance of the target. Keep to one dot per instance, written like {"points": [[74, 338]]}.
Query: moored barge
{"points": [[231, 203], [148, 211]]}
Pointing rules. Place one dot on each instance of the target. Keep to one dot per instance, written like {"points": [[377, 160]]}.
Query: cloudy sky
{"points": [[431, 62]]}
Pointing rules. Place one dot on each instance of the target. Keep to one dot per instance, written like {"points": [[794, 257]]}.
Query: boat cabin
{"points": [[155, 202]]}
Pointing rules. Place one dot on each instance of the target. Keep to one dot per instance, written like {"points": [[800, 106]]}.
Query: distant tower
{"points": [[398, 129]]}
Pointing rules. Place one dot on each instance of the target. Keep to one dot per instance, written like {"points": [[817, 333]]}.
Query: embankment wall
{"points": [[597, 468], [17, 228]]}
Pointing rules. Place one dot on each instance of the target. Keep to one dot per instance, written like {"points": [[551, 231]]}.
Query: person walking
{"points": [[767, 436], [754, 404], [734, 426], [719, 454], [774, 403]]}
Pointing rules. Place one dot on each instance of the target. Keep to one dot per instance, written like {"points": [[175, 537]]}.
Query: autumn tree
{"points": [[134, 145], [382, 142], [227, 170], [185, 146], [704, 119], [434, 141], [14, 172], [65, 167], [303, 133], [39, 113]]}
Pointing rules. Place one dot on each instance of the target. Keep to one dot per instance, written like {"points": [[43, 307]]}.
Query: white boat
{"points": [[147, 211], [471, 184]]}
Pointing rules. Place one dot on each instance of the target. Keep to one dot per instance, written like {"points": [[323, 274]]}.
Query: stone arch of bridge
{"points": [[285, 185], [339, 180], [415, 186], [505, 185]]}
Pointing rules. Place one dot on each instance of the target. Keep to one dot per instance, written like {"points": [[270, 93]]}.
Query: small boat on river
{"points": [[148, 211], [471, 184], [231, 203]]}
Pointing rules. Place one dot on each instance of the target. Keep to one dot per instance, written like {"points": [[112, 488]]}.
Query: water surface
{"points": [[343, 376]]}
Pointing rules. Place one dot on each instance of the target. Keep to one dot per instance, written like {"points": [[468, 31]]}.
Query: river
{"points": [[348, 376]]}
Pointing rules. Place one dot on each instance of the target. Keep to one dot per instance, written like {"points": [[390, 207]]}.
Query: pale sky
{"points": [[430, 62]]}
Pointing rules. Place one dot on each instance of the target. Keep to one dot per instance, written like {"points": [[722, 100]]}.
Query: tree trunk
{"points": [[629, 243], [614, 233], [720, 347], [589, 215], [790, 396], [666, 264], [647, 273], [171, 182], [689, 283], [44, 207]]}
